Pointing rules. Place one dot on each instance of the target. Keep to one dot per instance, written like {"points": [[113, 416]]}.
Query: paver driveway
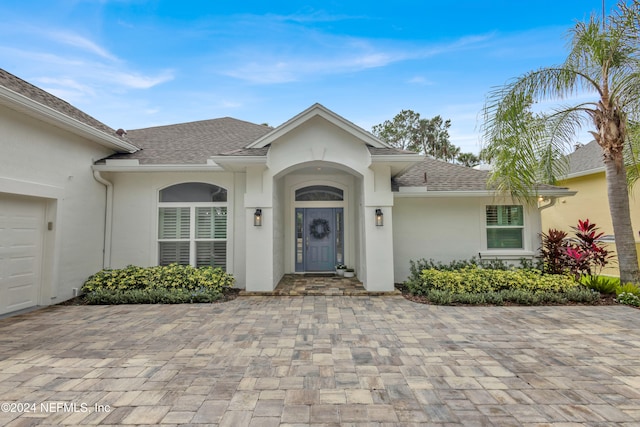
{"points": [[321, 360]]}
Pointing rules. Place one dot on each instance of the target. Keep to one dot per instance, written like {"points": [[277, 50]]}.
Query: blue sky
{"points": [[134, 64]]}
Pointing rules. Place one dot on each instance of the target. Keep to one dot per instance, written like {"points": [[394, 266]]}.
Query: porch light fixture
{"points": [[379, 218], [257, 218]]}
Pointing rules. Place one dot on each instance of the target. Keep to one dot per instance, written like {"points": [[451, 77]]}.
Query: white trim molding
{"points": [[27, 188]]}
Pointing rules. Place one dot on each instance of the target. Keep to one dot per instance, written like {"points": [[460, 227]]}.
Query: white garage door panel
{"points": [[21, 235]]}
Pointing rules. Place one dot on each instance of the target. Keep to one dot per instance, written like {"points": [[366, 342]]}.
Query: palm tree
{"points": [[468, 159], [526, 149]]}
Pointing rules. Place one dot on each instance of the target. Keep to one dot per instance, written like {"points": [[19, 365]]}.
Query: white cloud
{"points": [[420, 80], [137, 80], [83, 43], [307, 16], [318, 54], [65, 83]]}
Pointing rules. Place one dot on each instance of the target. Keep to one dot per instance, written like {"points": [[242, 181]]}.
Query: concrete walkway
{"points": [[321, 360], [319, 284]]}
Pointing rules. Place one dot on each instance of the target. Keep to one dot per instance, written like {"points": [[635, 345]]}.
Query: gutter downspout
{"points": [[108, 219]]}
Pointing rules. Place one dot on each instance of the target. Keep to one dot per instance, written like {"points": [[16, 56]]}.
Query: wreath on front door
{"points": [[319, 228]]}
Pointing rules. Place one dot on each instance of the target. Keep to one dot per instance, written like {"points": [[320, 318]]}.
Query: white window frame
{"points": [[502, 227], [192, 228]]}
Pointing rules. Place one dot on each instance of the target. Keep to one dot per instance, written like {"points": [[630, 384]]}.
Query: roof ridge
{"points": [[196, 122]]}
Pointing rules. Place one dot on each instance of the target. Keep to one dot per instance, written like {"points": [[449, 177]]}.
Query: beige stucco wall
{"points": [[135, 215], [451, 228], [591, 202], [44, 161]]}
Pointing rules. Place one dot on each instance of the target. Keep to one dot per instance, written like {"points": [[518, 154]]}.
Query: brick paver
{"points": [[321, 360]]}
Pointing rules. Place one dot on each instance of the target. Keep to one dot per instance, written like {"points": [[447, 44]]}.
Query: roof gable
{"points": [[318, 110]]}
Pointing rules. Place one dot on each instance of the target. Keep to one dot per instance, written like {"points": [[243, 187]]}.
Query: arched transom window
{"points": [[192, 225], [317, 193]]}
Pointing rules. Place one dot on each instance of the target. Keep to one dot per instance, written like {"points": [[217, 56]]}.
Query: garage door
{"points": [[21, 237]]}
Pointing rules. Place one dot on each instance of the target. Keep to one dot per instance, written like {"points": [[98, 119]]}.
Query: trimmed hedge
{"points": [[516, 296], [472, 284], [170, 284], [474, 280]]}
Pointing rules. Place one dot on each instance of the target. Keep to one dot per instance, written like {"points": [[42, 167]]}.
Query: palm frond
{"points": [[632, 154], [525, 149], [625, 89], [561, 126]]}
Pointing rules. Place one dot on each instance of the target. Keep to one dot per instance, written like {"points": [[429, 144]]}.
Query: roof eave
{"points": [[49, 115], [447, 193], [583, 173], [238, 163], [394, 158], [561, 192], [399, 163], [159, 168], [474, 193]]}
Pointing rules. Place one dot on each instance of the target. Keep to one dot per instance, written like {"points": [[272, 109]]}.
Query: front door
{"points": [[319, 237]]}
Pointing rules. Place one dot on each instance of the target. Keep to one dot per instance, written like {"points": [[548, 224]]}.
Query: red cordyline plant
{"points": [[588, 256], [554, 251], [581, 255]]}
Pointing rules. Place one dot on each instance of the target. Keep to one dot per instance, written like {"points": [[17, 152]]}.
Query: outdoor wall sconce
{"points": [[257, 218], [379, 218]]}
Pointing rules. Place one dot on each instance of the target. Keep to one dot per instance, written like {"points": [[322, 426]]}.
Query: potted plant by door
{"points": [[340, 269], [349, 272]]}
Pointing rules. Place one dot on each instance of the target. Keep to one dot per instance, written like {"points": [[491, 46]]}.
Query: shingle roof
{"points": [[375, 151], [194, 142], [585, 158], [438, 175], [34, 93], [441, 176], [261, 151]]}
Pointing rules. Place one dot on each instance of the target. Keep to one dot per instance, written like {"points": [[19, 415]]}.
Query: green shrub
{"points": [[417, 267], [603, 284], [531, 264], [514, 296], [162, 284], [152, 296], [475, 280], [477, 285], [628, 288], [628, 299]]}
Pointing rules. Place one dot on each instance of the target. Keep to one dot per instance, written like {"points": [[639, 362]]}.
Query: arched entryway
{"points": [[320, 218], [319, 228]]}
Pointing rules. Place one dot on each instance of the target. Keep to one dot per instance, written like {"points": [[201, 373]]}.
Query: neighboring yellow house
{"points": [[587, 177]]}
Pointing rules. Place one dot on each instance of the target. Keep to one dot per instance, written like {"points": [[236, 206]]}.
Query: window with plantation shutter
{"points": [[174, 252], [505, 226], [211, 223], [174, 223], [192, 227]]}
